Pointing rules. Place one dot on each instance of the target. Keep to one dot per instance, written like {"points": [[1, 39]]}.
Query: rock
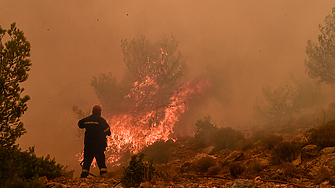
{"points": [[243, 184], [297, 161], [327, 150], [55, 185], [233, 156], [301, 140], [309, 151]]}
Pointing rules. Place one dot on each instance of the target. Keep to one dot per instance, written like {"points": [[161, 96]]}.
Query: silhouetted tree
{"points": [[155, 69], [321, 62], [282, 103], [14, 61]]}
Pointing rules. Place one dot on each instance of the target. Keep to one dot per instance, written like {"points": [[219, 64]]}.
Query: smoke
{"points": [[238, 45]]}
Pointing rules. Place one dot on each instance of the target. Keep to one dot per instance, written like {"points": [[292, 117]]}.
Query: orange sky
{"points": [[242, 45]]}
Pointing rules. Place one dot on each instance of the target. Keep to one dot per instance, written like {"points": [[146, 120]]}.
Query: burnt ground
{"points": [[189, 166]]}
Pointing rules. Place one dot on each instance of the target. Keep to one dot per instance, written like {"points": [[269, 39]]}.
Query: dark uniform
{"points": [[95, 140]]}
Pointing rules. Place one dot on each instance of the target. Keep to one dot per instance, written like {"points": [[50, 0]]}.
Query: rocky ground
{"points": [[192, 167]]}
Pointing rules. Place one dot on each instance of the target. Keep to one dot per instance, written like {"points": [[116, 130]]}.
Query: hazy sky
{"points": [[242, 44]]}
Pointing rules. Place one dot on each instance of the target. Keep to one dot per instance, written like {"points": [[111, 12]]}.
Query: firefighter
{"points": [[95, 140]]}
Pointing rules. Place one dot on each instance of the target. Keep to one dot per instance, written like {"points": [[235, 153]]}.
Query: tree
{"points": [[284, 102], [321, 62], [153, 72], [14, 61]]}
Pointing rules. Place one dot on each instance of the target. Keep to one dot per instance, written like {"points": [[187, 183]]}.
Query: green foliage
{"points": [[207, 134], [137, 172], [14, 64], [22, 168], [285, 152], [321, 55], [159, 152]]}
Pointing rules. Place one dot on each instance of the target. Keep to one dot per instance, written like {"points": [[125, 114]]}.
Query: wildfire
{"points": [[131, 133], [144, 125]]}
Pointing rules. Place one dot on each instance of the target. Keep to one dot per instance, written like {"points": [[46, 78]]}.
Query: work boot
{"points": [[103, 171], [84, 175]]}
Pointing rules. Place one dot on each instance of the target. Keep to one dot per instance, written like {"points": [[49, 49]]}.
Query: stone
{"points": [[327, 150], [243, 184], [309, 151]]}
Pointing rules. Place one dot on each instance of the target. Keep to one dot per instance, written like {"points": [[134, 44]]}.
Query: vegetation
{"points": [[276, 107], [321, 55], [204, 163], [160, 62], [207, 134], [137, 172], [14, 64], [23, 168], [158, 152], [285, 151], [18, 168]]}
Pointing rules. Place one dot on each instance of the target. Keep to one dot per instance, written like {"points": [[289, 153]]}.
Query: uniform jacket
{"points": [[96, 130]]}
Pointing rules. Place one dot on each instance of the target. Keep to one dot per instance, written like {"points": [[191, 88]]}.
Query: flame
{"points": [[131, 133], [144, 125]]}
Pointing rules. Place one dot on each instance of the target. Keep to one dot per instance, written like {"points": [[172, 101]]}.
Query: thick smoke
{"points": [[239, 46]]}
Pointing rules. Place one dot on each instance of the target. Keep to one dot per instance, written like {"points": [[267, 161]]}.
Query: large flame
{"points": [[131, 133], [137, 129]]}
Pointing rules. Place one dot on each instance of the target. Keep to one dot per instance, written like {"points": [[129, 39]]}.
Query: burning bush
{"points": [[22, 168]]}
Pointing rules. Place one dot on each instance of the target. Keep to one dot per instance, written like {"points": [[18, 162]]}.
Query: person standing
{"points": [[96, 130]]}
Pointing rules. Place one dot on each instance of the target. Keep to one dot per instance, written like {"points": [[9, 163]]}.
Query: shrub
{"points": [[205, 130], [325, 135], [158, 152], [227, 138], [254, 166], [137, 172], [270, 140], [236, 169], [311, 135], [204, 163], [285, 152], [323, 174], [208, 134], [22, 168]]}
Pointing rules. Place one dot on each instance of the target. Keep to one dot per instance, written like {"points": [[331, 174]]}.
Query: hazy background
{"points": [[243, 45]]}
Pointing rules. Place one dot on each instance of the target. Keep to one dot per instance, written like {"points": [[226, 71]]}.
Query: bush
{"points": [[208, 134], [137, 172], [236, 169], [205, 131], [285, 152], [22, 168], [158, 152], [204, 163], [325, 135], [270, 140], [323, 174]]}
